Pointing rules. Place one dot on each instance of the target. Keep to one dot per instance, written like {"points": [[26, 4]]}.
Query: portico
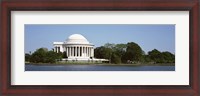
{"points": [[79, 51]]}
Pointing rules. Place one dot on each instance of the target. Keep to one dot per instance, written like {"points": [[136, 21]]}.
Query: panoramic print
{"points": [[99, 47]]}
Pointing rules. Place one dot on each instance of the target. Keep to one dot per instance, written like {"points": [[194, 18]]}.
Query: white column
{"points": [[92, 52], [69, 51], [76, 51], [81, 54], [84, 51], [79, 51], [72, 51], [88, 51], [66, 50]]}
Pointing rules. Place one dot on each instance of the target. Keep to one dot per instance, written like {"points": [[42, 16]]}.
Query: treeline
{"points": [[42, 55], [132, 53], [115, 53]]}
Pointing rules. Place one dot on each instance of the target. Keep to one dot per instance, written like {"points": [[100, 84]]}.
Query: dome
{"points": [[76, 39]]}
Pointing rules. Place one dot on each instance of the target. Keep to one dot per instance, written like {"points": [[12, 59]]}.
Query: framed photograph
{"points": [[120, 47]]}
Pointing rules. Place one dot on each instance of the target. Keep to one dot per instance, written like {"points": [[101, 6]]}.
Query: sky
{"points": [[148, 37]]}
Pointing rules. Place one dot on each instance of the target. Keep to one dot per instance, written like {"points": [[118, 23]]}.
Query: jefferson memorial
{"points": [[77, 47]]}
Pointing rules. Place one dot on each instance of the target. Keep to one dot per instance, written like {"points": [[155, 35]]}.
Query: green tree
{"points": [[161, 57], [168, 57], [27, 57], [147, 59], [64, 54], [120, 49], [59, 55], [115, 58], [155, 55], [38, 56], [98, 52], [42, 55], [103, 52], [121, 53], [133, 52], [51, 57]]}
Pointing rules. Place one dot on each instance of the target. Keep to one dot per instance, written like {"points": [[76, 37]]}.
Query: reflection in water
{"points": [[97, 68]]}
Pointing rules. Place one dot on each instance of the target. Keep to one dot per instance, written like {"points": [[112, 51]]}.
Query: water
{"points": [[97, 68]]}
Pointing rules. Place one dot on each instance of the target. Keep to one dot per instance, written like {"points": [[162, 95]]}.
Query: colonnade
{"points": [[57, 49], [79, 51]]}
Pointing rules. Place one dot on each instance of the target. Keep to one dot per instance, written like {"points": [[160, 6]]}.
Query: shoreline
{"points": [[105, 64]]}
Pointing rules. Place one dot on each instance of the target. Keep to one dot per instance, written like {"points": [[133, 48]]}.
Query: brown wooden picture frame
{"points": [[99, 5]]}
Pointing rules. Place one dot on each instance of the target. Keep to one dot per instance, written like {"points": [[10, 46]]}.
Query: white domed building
{"points": [[77, 47]]}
